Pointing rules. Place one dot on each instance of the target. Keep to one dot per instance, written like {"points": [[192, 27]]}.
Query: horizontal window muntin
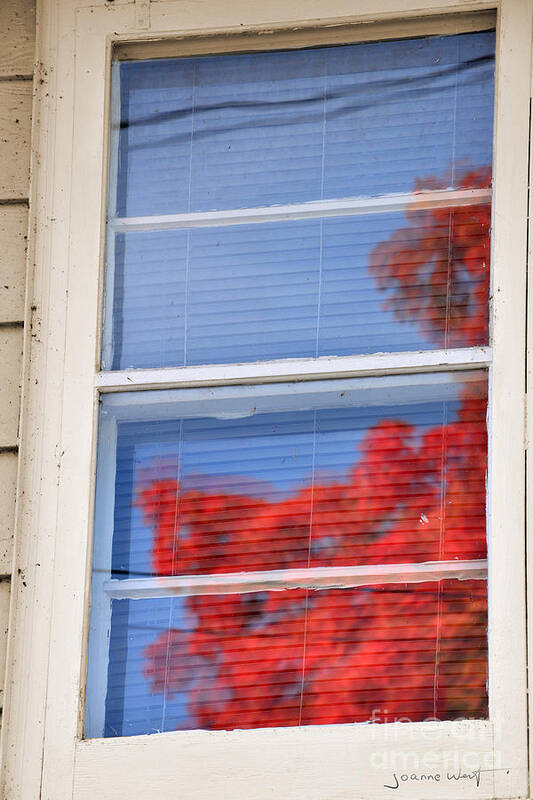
{"points": [[309, 578], [295, 369], [348, 206]]}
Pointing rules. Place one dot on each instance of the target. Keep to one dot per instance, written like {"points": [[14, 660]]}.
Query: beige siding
{"points": [[8, 480], [4, 618], [17, 23], [17, 30], [10, 370], [15, 115], [13, 238]]}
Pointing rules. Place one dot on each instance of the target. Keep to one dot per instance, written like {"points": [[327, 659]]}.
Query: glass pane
{"points": [[412, 280], [232, 131], [343, 472], [405, 652]]}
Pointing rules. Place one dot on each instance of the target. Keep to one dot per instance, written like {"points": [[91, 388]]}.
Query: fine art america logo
{"points": [[473, 762]]}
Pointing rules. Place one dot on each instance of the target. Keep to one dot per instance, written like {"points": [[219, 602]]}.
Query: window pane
{"points": [[404, 652], [344, 472], [256, 129], [413, 280]]}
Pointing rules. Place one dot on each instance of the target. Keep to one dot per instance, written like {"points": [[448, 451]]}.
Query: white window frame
{"points": [[43, 752]]}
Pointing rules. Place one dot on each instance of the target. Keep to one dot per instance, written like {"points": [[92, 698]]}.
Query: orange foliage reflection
{"points": [[384, 652], [437, 268]]}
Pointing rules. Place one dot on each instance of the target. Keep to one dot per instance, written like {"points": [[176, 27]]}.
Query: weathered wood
{"points": [[10, 375], [300, 369], [17, 23], [8, 480], [15, 121], [13, 239], [507, 430], [308, 36], [315, 762], [4, 619]]}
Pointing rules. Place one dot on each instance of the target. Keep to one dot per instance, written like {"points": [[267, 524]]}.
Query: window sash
{"points": [[329, 368], [157, 404]]}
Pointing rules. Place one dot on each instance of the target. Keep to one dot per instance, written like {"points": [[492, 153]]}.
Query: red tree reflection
{"points": [[415, 494], [438, 268]]}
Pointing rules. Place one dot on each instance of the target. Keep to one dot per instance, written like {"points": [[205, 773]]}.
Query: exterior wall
{"points": [[17, 36]]}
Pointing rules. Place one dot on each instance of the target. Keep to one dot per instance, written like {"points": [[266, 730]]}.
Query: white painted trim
{"points": [[315, 209], [462, 358], [506, 469], [279, 579], [311, 762], [529, 448], [284, 762], [33, 577]]}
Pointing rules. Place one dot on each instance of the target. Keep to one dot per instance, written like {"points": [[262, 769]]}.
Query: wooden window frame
{"points": [[43, 751]]}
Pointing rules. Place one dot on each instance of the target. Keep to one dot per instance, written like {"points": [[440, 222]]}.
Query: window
{"points": [[299, 366], [363, 174]]}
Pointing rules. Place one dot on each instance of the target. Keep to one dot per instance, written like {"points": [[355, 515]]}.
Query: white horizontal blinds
{"points": [[260, 130], [381, 653]]}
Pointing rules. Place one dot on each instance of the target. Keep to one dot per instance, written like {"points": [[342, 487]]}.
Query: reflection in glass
{"points": [[257, 129], [349, 472], [308, 288], [264, 129], [404, 652]]}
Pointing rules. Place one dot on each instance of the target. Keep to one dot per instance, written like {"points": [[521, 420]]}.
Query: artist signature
{"points": [[437, 777]]}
